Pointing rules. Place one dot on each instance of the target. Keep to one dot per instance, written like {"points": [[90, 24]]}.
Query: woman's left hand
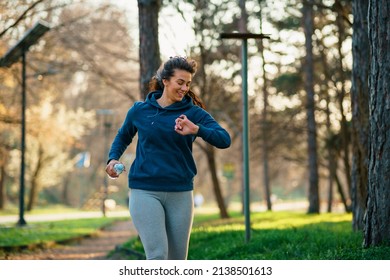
{"points": [[184, 126]]}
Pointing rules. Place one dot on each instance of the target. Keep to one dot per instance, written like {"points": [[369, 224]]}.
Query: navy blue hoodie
{"points": [[164, 160]]}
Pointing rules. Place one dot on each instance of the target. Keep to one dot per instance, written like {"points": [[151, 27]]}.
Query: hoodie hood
{"points": [[185, 103]]}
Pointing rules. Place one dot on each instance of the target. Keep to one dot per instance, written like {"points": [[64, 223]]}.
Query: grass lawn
{"points": [[41, 233], [278, 236]]}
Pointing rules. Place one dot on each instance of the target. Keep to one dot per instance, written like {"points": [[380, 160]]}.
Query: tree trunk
{"points": [[2, 186], [3, 161], [210, 152], [376, 222], [360, 117], [266, 180], [265, 126], [314, 205], [331, 155], [32, 195], [149, 49], [65, 191], [331, 160], [34, 181], [331, 177], [344, 131], [342, 194]]}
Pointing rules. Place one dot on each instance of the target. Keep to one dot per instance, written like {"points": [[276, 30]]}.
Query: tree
{"points": [[52, 129], [341, 11], [83, 41], [330, 74], [8, 120], [377, 226], [149, 50], [214, 90], [308, 26], [3, 160], [332, 81], [360, 112], [265, 122]]}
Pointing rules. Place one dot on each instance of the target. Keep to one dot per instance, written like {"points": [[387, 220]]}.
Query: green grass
{"points": [[41, 233], [278, 236]]}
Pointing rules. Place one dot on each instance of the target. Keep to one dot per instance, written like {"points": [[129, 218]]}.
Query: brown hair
{"points": [[166, 71]]}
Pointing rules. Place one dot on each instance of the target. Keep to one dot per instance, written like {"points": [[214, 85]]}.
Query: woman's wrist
{"points": [[196, 129]]}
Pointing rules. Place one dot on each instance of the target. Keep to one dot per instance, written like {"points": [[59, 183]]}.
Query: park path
{"points": [[96, 247]]}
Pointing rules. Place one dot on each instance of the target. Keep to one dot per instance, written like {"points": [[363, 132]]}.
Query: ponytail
{"points": [[155, 84], [196, 100]]}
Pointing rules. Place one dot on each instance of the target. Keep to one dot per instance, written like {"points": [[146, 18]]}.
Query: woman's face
{"points": [[178, 85]]}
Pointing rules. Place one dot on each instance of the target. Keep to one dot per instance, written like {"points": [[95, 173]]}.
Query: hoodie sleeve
{"points": [[211, 132], [124, 136]]}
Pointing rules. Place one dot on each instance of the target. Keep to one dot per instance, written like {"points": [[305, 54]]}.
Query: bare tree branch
{"points": [[21, 17]]}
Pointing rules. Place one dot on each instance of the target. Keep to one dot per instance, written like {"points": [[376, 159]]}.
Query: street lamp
{"points": [[245, 134], [12, 56]]}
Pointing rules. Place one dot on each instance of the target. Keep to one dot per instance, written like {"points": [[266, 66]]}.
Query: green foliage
{"points": [[279, 236], [288, 83], [288, 23], [46, 232]]}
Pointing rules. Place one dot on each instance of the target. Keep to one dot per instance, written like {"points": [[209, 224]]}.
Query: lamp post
{"points": [[245, 133], [12, 56]]}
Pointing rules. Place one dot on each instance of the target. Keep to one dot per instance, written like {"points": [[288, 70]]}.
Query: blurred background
{"points": [[84, 74]]}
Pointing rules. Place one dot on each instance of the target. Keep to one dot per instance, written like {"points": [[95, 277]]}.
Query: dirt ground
{"points": [[96, 247]]}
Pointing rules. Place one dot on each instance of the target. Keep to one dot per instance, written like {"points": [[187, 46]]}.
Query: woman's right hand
{"points": [[110, 168]]}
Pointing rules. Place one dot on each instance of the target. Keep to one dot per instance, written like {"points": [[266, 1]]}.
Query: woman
{"points": [[161, 176]]}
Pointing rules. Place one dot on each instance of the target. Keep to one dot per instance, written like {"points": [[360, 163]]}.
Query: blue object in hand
{"points": [[119, 168]]}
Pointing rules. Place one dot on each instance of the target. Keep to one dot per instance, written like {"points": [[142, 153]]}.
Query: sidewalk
{"points": [[96, 247], [93, 248], [13, 219]]}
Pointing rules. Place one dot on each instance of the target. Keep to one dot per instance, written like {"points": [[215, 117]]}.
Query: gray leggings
{"points": [[163, 221]]}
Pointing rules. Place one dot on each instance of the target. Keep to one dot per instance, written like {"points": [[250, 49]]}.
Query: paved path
{"points": [[13, 219], [93, 248]]}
